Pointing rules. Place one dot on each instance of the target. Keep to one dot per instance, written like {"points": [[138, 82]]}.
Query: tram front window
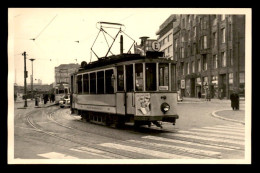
{"points": [[139, 77], [57, 91], [150, 73], [61, 91], [163, 76]]}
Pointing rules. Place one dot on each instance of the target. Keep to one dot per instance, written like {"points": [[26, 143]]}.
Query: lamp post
{"points": [[32, 77]]}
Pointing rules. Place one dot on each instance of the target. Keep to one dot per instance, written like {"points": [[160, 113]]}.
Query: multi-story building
{"points": [[63, 72], [210, 53], [165, 36]]}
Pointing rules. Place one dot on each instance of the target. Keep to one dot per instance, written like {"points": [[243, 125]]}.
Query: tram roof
{"points": [[105, 61]]}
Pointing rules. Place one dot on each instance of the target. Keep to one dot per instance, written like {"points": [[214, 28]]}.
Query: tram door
{"points": [[129, 88]]}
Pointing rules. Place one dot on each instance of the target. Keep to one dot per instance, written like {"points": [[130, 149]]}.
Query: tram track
{"points": [[127, 141], [55, 135]]}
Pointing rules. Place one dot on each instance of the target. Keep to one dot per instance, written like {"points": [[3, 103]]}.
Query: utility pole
{"points": [[25, 76], [32, 78]]}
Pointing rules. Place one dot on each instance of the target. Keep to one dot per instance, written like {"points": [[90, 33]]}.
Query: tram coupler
{"points": [[157, 124]]}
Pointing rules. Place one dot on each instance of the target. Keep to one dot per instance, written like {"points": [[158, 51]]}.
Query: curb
{"points": [[223, 118]]}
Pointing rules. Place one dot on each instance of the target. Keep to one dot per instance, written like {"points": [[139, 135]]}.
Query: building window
{"points": [[205, 63], [215, 39], [194, 49], [230, 78], [242, 77], [193, 67], [205, 42], [215, 61], [176, 43], [182, 39], [199, 65], [231, 58], [214, 20], [222, 17], [223, 33], [223, 59], [182, 68], [194, 32], [182, 52], [230, 32], [188, 68]]}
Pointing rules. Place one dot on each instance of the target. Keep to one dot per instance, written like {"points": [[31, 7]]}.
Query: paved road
{"points": [[52, 133]]}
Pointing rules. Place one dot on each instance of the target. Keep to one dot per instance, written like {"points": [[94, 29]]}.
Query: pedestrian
{"points": [[233, 100], [236, 101], [208, 95], [199, 95], [45, 98]]}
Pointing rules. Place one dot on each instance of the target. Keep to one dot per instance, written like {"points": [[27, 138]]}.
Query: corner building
{"points": [[210, 53]]}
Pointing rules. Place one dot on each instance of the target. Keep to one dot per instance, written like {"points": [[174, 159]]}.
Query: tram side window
{"points": [[120, 78], [79, 83], [66, 90], [139, 77], [163, 76], [92, 83], [85, 84], [150, 73], [100, 82], [129, 78], [109, 81]]}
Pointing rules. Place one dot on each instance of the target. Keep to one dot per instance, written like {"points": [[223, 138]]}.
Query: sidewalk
{"points": [[202, 100], [231, 115], [31, 104]]}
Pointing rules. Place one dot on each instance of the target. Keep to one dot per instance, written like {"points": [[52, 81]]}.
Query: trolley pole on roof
{"points": [[25, 76]]}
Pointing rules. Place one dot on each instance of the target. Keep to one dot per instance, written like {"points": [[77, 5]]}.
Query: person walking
{"points": [[233, 102], [199, 95], [236, 101]]}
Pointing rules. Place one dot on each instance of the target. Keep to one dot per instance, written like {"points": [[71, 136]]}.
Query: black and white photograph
{"points": [[129, 85]]}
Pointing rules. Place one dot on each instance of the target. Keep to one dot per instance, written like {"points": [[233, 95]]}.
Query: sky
{"points": [[65, 35]]}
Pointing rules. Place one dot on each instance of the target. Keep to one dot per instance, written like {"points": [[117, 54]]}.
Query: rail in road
{"points": [[224, 141]]}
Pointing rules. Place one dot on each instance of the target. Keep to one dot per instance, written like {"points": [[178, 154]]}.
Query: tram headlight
{"points": [[165, 107]]}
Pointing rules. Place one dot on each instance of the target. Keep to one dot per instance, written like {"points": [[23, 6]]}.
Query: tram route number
{"points": [[156, 46]]}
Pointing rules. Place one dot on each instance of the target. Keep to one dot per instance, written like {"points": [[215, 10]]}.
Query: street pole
{"points": [[32, 78], [25, 76]]}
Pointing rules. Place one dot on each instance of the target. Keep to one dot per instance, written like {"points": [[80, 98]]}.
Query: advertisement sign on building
{"points": [[183, 84]]}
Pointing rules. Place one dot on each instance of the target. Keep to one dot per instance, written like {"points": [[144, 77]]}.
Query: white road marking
{"points": [[153, 153], [89, 151], [218, 131], [208, 139], [214, 146], [55, 155], [183, 149], [212, 135], [224, 129], [231, 127]]}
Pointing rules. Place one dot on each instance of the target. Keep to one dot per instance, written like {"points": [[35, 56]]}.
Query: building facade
{"points": [[63, 72], [210, 53]]}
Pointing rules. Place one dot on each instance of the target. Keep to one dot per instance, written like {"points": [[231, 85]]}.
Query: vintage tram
{"points": [[126, 88], [61, 90]]}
